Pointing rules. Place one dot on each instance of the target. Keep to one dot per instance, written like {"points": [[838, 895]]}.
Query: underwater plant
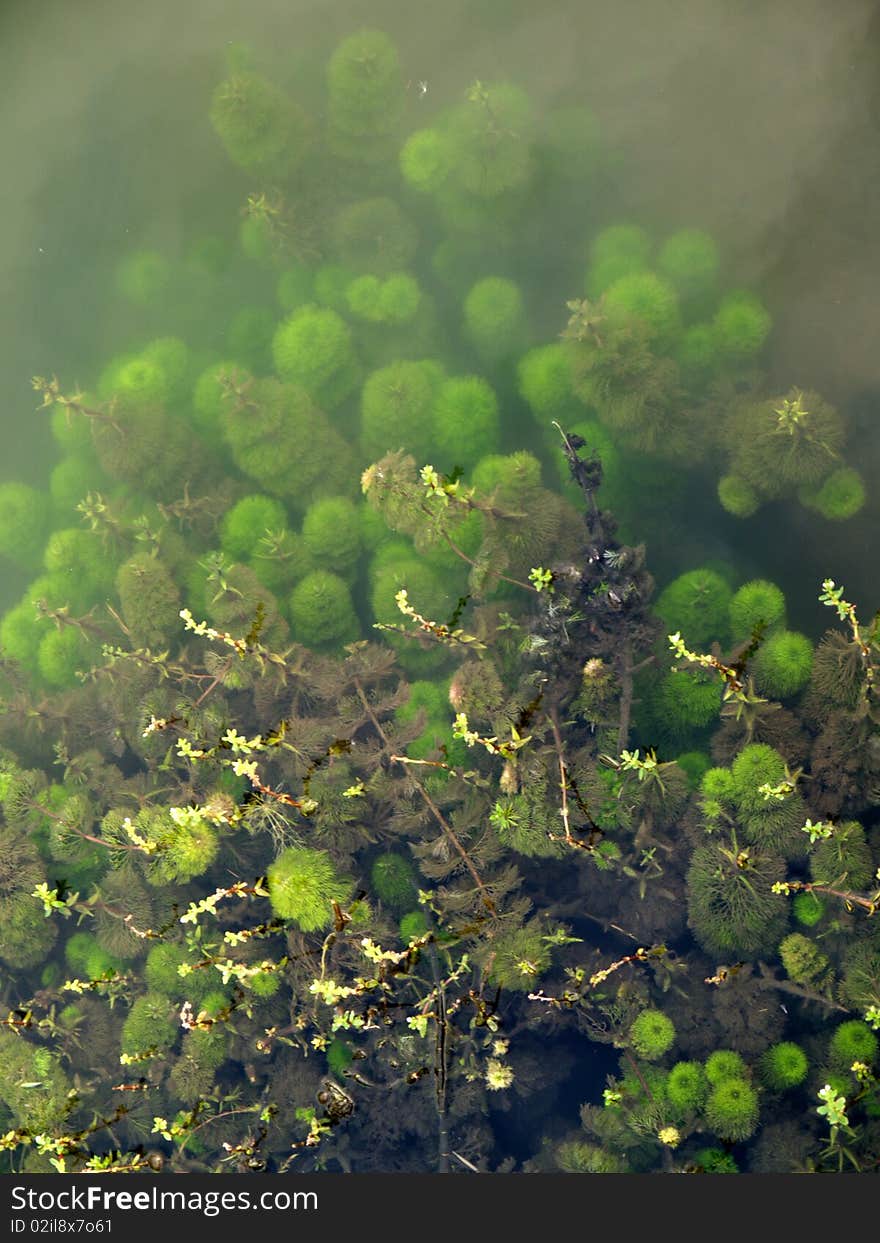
{"points": [[357, 823], [783, 664], [731, 1110], [262, 129], [618, 251], [321, 611], [303, 885], [494, 318], [696, 605], [652, 1034]]}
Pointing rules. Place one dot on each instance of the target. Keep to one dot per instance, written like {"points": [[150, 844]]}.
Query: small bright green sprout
{"points": [[833, 1106]]}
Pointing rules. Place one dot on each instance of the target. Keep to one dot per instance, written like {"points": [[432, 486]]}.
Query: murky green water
{"points": [[754, 126]]}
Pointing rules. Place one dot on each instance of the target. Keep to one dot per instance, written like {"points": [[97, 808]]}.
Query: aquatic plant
{"points": [[731, 904], [150, 1024], [321, 611], [394, 880], [841, 495], [465, 422], [844, 858], [685, 700], [331, 534], [686, 1087], [143, 277], [756, 603], [491, 136], [365, 86], [732, 1110], [853, 1041], [646, 298], [618, 251], [303, 885], [786, 443], [696, 605], [261, 128], [546, 382], [690, 260], [313, 348], [738, 496], [518, 957], [374, 236], [396, 404], [23, 523], [807, 909], [741, 324], [426, 159], [804, 961], [652, 1034], [281, 440], [494, 318], [149, 600], [784, 1066], [783, 664], [724, 1064]]}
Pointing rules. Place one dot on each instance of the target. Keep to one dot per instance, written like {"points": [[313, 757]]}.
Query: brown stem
{"points": [[431, 805], [626, 696], [769, 980], [563, 776]]}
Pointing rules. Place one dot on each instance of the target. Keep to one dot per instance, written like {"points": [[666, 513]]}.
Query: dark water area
{"points": [[629, 925]]}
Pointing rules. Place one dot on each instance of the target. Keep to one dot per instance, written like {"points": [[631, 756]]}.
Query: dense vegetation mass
{"points": [[363, 804]]}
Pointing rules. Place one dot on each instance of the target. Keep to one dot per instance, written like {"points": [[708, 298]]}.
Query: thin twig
{"points": [[432, 806]]}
